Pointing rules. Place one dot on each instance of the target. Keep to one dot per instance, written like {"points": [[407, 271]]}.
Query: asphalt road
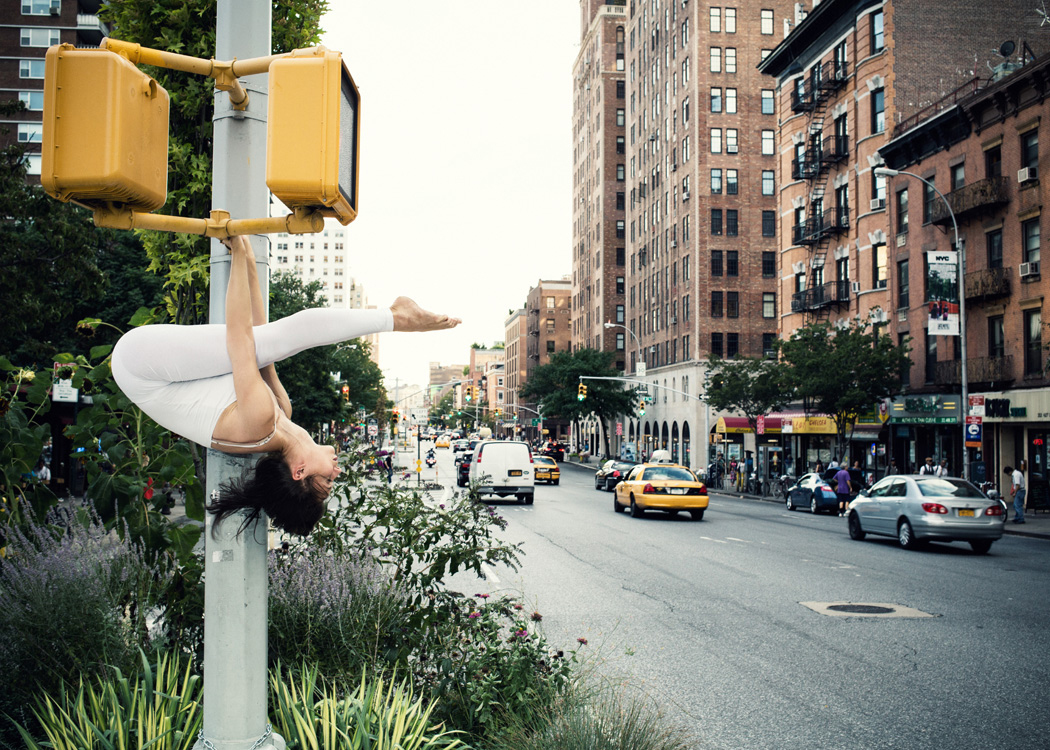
{"points": [[708, 618]]}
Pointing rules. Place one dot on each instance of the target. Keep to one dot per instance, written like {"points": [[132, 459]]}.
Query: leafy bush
{"points": [[338, 612], [72, 599]]}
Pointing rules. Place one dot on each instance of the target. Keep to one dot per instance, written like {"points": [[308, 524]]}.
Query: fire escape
{"points": [[813, 162]]}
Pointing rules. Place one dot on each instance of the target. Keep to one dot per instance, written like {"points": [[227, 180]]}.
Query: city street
{"points": [[709, 618]]}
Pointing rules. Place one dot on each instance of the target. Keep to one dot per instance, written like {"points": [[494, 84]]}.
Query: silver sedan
{"points": [[918, 509]]}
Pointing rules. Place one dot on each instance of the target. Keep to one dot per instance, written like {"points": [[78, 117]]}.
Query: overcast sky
{"points": [[466, 160]]}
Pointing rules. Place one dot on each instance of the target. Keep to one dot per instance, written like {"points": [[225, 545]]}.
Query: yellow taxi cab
{"points": [[546, 469], [665, 487], [442, 442]]}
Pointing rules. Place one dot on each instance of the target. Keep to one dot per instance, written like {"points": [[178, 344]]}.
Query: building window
{"points": [[716, 221], [931, 357], [878, 187], [620, 173], [993, 241], [996, 337], [716, 304], [621, 256], [732, 181], [769, 308], [732, 345], [34, 100], [36, 7], [878, 38], [732, 141], [621, 89], [550, 346], [716, 140], [685, 308], [621, 145], [903, 301], [716, 59], [621, 118], [1033, 342], [768, 184], [716, 20], [31, 68], [38, 37], [769, 264], [929, 196], [767, 143], [621, 229], [619, 313], [993, 162], [958, 177], [902, 211], [767, 102], [716, 182], [731, 222], [879, 268], [716, 262], [619, 342], [730, 101], [30, 132], [878, 111], [732, 304], [769, 223], [730, 59], [732, 263], [685, 110], [1030, 149], [716, 100], [1030, 238], [621, 201], [716, 344], [766, 17], [730, 20]]}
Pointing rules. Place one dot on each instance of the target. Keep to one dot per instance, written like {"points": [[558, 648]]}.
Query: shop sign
{"points": [[925, 409], [813, 426]]}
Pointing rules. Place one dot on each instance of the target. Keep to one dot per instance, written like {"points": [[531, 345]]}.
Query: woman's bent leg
{"points": [[316, 327]]}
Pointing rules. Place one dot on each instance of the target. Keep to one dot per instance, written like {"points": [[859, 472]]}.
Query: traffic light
{"points": [[346, 393], [469, 392], [105, 136], [313, 133], [581, 392], [395, 417], [641, 407]]}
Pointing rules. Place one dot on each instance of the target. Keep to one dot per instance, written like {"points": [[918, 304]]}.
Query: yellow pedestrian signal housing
{"points": [[581, 392], [105, 134], [469, 393], [313, 133], [346, 393]]}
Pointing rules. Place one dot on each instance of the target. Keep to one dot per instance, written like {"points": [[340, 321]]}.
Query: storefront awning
{"points": [[740, 424]]}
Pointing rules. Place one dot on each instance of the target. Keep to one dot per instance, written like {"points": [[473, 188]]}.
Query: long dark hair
{"points": [[293, 505]]}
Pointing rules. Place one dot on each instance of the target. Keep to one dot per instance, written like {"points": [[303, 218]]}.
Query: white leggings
{"points": [[182, 377]]}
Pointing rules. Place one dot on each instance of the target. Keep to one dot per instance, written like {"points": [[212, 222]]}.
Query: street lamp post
{"points": [[965, 408]]}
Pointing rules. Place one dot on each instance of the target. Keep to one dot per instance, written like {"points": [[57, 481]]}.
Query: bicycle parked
{"points": [[780, 485]]}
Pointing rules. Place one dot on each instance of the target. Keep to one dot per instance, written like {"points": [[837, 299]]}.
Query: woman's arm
{"points": [[268, 373]]}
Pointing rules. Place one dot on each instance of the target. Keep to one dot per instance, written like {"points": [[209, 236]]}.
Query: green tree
{"points": [[844, 372], [554, 386], [752, 386], [443, 407]]}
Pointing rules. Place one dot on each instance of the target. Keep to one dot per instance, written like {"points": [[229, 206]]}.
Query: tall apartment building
{"points": [[323, 257], [514, 354], [29, 28], [847, 77], [548, 328], [599, 192]]}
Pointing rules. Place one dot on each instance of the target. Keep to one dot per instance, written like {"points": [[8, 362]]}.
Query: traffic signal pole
{"points": [[235, 594]]}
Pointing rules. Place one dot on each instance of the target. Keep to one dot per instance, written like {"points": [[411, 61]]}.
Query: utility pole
{"points": [[235, 595]]}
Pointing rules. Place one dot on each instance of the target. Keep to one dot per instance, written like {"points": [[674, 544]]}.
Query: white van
{"points": [[503, 468]]}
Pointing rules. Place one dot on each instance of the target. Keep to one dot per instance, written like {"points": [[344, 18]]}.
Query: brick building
{"points": [[29, 28], [847, 76], [548, 329], [982, 152]]}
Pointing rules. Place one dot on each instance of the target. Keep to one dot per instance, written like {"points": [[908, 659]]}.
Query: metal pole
{"points": [[235, 597]]}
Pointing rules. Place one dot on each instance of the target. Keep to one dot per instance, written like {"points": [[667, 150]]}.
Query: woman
{"points": [[216, 385]]}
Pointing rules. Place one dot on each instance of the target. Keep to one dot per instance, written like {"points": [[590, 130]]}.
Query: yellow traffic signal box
{"points": [[313, 133], [105, 130]]}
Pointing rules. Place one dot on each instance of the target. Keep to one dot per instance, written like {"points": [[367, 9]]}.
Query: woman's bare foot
{"points": [[408, 316]]}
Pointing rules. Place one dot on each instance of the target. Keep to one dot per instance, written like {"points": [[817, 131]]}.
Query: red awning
{"points": [[740, 424]]}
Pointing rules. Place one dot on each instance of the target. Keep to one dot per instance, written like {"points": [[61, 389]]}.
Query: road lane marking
{"points": [[489, 574], [734, 539], [720, 541]]}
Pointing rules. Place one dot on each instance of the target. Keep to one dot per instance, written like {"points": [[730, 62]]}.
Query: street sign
{"points": [[976, 406], [760, 426], [974, 429], [63, 390], [535, 423], [373, 430], [619, 428], [639, 369]]}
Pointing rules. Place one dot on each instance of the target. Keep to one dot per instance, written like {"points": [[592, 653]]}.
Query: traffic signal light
{"points": [[396, 416], [641, 407], [313, 132], [346, 393], [581, 392], [469, 393], [105, 128]]}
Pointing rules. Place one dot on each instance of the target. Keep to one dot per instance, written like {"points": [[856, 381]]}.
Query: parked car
{"points": [[546, 469], [923, 508], [611, 473], [504, 468], [463, 469], [441, 442], [814, 492], [666, 487], [857, 479]]}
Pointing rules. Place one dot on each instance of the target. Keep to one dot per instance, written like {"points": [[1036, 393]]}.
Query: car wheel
{"points": [[813, 505], [697, 515], [597, 484], [529, 499], [855, 531], [610, 486], [616, 505], [636, 512], [980, 546], [906, 535], [790, 503], [556, 481]]}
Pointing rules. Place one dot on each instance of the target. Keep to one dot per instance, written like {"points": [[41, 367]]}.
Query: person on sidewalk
{"points": [[928, 467], [942, 469], [842, 488], [1017, 489]]}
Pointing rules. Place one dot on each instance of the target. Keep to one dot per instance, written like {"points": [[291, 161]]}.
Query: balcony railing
{"points": [[977, 197], [833, 75], [988, 283], [829, 293], [814, 229], [836, 148], [978, 370]]}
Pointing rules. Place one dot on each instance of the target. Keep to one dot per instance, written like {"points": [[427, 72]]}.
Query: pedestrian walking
{"points": [[892, 469], [928, 467], [1017, 489], [216, 385], [842, 488], [942, 469], [833, 463]]}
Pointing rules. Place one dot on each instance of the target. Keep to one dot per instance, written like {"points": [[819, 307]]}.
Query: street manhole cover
{"points": [[875, 610], [861, 609]]}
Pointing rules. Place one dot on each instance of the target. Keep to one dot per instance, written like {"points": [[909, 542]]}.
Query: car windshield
{"points": [[669, 472], [947, 487]]}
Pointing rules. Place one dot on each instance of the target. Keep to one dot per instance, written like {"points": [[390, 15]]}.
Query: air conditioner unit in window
{"points": [[56, 7], [1027, 174], [1029, 269], [674, 243], [731, 148], [854, 287], [674, 167], [878, 203], [685, 195], [674, 320]]}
